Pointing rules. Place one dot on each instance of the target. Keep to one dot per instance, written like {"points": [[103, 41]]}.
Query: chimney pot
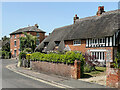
{"points": [[75, 15], [75, 18], [36, 25], [100, 10]]}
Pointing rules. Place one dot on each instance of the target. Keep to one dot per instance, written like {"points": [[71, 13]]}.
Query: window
{"points": [[100, 56], [45, 44], [96, 42], [57, 43], [37, 42], [38, 35], [15, 53], [15, 35], [77, 42], [14, 43]]}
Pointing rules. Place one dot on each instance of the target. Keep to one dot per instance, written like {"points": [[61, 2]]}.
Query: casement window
{"points": [[95, 42], [38, 35], [15, 51], [15, 35], [37, 42], [100, 56], [15, 43], [57, 43], [77, 42]]}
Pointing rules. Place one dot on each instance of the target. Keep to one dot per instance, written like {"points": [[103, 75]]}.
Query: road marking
{"points": [[50, 83]]}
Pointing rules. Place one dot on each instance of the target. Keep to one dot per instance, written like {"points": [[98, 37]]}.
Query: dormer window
{"points": [[57, 43], [46, 44]]}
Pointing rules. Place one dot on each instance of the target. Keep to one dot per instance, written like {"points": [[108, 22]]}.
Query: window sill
{"points": [[76, 44]]}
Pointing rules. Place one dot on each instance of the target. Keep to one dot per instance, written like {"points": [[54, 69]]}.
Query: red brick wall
{"points": [[17, 47], [83, 48], [58, 69], [12, 47], [113, 77]]}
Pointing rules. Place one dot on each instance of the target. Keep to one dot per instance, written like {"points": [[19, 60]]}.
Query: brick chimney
{"points": [[75, 18], [36, 25], [100, 10]]}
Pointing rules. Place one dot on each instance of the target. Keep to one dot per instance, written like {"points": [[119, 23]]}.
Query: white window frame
{"points": [[75, 42], [98, 57]]}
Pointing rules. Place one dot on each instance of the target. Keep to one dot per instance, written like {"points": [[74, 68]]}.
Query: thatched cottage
{"points": [[98, 35]]}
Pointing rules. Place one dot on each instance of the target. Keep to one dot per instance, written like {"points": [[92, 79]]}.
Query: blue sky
{"points": [[48, 15]]}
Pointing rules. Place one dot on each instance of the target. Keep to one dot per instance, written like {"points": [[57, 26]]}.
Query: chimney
{"points": [[75, 18], [100, 10], [36, 25]]}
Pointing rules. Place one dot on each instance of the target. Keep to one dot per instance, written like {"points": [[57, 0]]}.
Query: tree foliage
{"points": [[29, 41]]}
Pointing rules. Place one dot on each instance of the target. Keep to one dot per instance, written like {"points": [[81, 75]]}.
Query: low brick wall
{"points": [[113, 77], [58, 68]]}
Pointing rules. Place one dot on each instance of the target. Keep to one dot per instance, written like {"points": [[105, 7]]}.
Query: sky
{"points": [[48, 15]]}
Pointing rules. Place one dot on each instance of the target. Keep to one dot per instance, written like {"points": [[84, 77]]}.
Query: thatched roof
{"points": [[90, 27], [96, 26], [26, 29]]}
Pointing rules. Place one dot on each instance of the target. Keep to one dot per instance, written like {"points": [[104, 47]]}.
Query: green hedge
{"points": [[5, 54], [67, 58]]}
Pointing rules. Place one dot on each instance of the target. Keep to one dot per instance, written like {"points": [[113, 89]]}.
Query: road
{"points": [[13, 80]]}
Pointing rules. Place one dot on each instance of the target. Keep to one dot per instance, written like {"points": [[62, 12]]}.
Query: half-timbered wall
{"points": [[103, 42]]}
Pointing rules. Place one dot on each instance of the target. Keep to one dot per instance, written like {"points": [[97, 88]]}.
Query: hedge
{"points": [[67, 58], [5, 54]]}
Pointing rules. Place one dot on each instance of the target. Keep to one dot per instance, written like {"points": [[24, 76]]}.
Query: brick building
{"points": [[97, 35], [15, 42]]}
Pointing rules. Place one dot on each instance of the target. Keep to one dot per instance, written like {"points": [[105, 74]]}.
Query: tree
{"points": [[6, 44], [29, 41]]}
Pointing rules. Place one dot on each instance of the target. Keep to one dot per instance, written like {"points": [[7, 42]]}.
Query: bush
{"points": [[116, 62], [5, 54], [22, 55], [88, 68], [27, 50]]}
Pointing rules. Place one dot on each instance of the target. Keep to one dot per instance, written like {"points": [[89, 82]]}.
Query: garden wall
{"points": [[113, 77], [61, 69]]}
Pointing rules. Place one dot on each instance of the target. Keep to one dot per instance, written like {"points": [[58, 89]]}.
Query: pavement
{"points": [[53, 81]]}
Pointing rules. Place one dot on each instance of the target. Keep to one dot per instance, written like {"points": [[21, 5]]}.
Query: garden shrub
{"points": [[5, 54], [88, 68], [116, 62]]}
